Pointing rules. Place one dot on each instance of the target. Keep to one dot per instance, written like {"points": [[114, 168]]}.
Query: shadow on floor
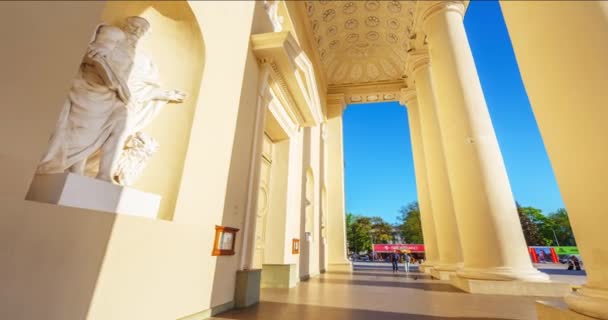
{"points": [[563, 272], [281, 311], [439, 287]]}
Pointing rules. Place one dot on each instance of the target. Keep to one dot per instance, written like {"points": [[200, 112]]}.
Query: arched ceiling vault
{"points": [[363, 46]]}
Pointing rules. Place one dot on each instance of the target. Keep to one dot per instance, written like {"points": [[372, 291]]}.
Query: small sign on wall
{"points": [[225, 238], [295, 246]]}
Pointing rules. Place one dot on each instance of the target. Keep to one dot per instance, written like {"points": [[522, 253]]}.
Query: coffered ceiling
{"points": [[362, 42]]}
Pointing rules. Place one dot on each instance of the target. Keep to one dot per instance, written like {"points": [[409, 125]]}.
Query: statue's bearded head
{"points": [[136, 26]]}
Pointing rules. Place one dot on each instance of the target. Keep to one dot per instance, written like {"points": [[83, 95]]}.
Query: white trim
{"points": [[249, 226]]}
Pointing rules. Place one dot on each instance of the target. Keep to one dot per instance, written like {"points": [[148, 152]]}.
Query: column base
{"points": [[558, 311], [441, 274], [279, 276], [247, 290], [426, 268], [344, 267], [514, 287], [503, 274], [445, 271], [590, 302]]}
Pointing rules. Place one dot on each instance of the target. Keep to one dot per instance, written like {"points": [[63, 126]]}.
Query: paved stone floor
{"points": [[372, 291]]}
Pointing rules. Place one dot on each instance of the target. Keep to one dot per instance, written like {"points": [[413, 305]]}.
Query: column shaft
{"points": [[336, 215], [561, 49], [437, 174], [491, 236], [424, 201]]}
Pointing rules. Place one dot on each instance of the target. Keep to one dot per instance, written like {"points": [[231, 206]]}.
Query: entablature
{"points": [[291, 75]]}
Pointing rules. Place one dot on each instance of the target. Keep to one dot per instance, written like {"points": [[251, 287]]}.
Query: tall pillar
{"points": [[433, 257], [446, 225], [561, 49], [493, 244], [336, 215]]}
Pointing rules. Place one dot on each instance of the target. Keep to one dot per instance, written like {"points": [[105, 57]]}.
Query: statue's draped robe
{"points": [[91, 111], [96, 103]]}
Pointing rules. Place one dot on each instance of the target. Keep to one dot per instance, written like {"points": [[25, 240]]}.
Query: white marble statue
{"points": [[116, 93], [272, 9]]}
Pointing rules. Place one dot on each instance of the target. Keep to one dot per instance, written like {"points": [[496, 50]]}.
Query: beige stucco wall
{"points": [[275, 223], [75, 264], [80, 264]]}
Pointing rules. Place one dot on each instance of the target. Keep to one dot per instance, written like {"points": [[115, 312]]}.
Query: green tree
{"points": [[544, 225], [382, 231], [410, 226], [562, 228], [359, 234], [530, 229]]}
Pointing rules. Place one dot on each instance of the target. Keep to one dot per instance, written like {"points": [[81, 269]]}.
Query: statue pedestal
{"points": [[73, 190]]}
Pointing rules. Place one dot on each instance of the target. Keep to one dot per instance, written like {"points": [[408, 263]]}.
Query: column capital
{"points": [[417, 59], [407, 96], [336, 103], [436, 7]]}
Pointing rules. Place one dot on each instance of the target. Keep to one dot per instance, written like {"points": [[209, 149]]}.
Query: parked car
{"points": [[363, 258]]}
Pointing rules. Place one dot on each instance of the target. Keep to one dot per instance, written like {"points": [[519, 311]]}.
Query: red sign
{"points": [[399, 247]]}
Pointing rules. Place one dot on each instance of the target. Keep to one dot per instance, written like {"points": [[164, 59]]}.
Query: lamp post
{"points": [[555, 236]]}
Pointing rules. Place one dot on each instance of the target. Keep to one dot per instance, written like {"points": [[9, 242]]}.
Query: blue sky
{"points": [[378, 159]]}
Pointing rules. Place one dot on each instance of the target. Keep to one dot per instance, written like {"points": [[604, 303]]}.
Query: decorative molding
{"points": [[361, 42], [417, 59], [280, 113], [335, 105], [407, 96], [369, 92], [292, 73]]}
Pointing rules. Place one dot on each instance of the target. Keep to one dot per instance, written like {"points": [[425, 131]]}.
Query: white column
{"points": [[336, 215], [562, 51], [427, 219], [492, 240], [446, 225]]}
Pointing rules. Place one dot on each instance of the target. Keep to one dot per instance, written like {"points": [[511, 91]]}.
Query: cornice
{"points": [[407, 96]]}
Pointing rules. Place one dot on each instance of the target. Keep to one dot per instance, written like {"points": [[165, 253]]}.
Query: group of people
{"points": [[397, 258], [574, 262]]}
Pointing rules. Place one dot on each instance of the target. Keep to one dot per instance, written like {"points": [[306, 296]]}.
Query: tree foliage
{"points": [[358, 233], [382, 231], [545, 230], [539, 229], [562, 228], [531, 233], [410, 227]]}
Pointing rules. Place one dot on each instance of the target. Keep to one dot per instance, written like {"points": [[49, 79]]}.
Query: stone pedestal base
{"points": [[279, 276], [519, 288], [247, 291], [441, 274], [425, 268], [343, 267], [73, 190], [557, 311]]}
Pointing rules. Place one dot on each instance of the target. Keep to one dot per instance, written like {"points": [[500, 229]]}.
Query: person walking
{"points": [[407, 260], [577, 263], [395, 261]]}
